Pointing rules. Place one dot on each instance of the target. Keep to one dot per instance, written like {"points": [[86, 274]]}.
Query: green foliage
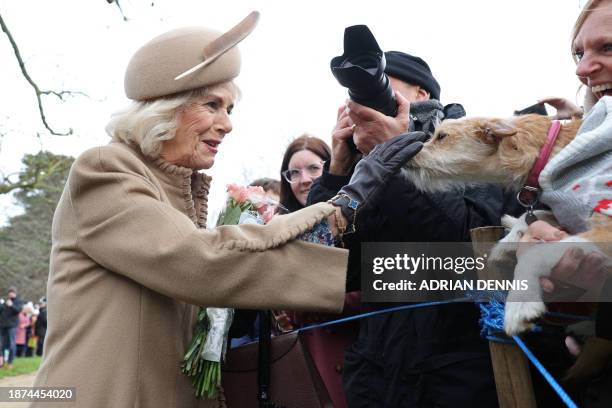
{"points": [[25, 242], [23, 365]]}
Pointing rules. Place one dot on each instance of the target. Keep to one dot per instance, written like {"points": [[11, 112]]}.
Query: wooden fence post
{"points": [[510, 366]]}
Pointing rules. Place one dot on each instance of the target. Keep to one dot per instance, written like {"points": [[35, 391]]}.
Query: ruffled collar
{"points": [[194, 186], [173, 169]]}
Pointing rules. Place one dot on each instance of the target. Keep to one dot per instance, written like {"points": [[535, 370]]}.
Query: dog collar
{"points": [[528, 196]]}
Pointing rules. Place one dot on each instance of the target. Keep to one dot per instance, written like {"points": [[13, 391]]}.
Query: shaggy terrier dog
{"points": [[503, 151]]}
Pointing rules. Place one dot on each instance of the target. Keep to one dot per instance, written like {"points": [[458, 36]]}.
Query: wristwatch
{"points": [[348, 206]]}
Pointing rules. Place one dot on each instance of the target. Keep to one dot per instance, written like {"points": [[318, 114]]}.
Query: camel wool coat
{"points": [[131, 262]]}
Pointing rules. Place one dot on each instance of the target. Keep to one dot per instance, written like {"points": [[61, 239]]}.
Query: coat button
{"points": [[338, 368]]}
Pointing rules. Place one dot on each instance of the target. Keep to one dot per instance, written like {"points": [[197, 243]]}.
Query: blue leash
{"points": [[491, 322], [370, 314], [499, 325], [553, 383], [379, 312]]}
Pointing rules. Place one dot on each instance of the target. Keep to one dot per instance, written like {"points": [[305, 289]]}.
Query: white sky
{"points": [[492, 56]]}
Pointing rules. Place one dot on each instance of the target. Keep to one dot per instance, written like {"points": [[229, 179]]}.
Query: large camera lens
{"points": [[361, 69]]}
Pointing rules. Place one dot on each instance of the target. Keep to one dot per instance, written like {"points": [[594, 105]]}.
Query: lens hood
{"points": [[361, 69]]}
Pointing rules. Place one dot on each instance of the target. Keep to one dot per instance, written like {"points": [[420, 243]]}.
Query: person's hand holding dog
{"points": [[584, 271], [565, 108]]}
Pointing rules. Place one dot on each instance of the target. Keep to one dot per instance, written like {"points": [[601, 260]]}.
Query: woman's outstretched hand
{"points": [[373, 172]]}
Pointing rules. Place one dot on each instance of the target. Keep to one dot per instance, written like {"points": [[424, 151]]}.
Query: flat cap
{"points": [[412, 70], [185, 59]]}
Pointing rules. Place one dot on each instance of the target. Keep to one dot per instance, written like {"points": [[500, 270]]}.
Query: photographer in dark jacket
{"points": [[425, 357], [9, 319]]}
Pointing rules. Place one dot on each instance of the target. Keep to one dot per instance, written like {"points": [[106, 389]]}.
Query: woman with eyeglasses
{"points": [[302, 165]]}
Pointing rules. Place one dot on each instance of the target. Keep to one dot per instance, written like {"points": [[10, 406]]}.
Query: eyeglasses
{"points": [[294, 175]]}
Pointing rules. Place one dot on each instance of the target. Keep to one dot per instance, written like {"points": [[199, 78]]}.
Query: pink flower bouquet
{"points": [[202, 361]]}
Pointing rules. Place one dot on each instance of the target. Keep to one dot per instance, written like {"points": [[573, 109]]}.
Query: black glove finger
{"points": [[403, 142], [393, 146], [384, 151], [404, 155]]}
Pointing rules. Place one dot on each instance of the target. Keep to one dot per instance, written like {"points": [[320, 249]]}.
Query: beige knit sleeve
{"points": [[124, 226]]}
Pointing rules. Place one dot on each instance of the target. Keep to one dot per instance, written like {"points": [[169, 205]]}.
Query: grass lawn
{"points": [[23, 365]]}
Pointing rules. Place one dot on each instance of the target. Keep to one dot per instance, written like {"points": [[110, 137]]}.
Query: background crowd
{"points": [[426, 357], [435, 356], [23, 325]]}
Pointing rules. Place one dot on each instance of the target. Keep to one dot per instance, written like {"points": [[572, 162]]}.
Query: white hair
{"points": [[147, 124]]}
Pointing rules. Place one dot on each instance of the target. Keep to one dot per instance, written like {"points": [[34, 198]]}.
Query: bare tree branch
{"points": [[37, 90], [61, 94], [119, 7]]}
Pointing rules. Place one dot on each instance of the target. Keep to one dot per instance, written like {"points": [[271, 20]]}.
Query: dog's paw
{"points": [[518, 316]]}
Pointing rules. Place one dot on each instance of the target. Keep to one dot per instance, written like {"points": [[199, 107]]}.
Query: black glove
{"points": [[373, 172]]}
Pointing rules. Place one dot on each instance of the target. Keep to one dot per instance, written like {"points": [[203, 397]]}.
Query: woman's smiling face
{"points": [[592, 49], [202, 125]]}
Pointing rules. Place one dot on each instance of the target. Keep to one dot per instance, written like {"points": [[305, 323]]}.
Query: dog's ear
{"points": [[496, 130]]}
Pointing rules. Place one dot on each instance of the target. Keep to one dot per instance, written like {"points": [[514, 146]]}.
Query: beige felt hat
{"points": [[185, 59]]}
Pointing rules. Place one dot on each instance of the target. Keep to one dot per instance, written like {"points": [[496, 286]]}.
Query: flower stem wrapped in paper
{"points": [[202, 361]]}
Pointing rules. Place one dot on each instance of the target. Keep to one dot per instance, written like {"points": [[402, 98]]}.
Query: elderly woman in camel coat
{"points": [[131, 259]]}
